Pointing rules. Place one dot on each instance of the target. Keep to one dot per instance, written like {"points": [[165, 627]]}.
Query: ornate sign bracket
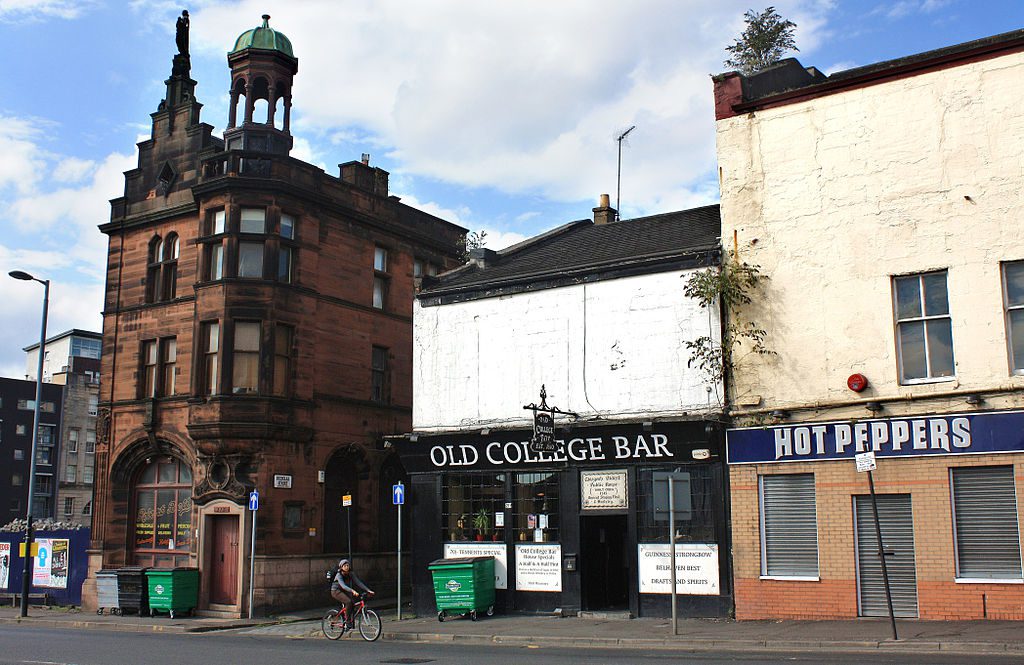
{"points": [[544, 423]]}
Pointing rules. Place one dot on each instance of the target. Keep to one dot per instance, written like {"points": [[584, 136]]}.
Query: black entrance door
{"points": [[604, 570]]}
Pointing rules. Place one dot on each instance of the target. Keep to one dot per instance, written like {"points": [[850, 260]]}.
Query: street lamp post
{"points": [[26, 574]]}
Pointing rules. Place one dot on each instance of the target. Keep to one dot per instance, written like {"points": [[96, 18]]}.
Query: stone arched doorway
{"points": [[348, 473]]}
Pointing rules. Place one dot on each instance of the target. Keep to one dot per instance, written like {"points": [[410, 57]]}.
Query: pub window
{"points": [[535, 509], [695, 512], [282, 359], [163, 514], [985, 522], [789, 526], [469, 503], [245, 360]]}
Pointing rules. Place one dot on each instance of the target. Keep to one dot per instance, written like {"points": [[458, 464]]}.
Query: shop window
{"points": [[535, 508], [694, 526], [1013, 301], [162, 534], [789, 526], [245, 359], [924, 328], [985, 520], [469, 503]]}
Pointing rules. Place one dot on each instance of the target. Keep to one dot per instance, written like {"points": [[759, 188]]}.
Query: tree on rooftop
{"points": [[765, 40]]}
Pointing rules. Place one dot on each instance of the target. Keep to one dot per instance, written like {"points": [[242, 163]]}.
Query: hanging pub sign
{"points": [[543, 433], [543, 440]]}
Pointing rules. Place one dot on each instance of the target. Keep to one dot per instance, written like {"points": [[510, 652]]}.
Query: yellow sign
{"points": [[346, 500], [21, 549]]}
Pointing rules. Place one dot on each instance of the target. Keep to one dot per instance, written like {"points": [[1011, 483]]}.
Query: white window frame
{"points": [[1016, 364], [922, 318]]}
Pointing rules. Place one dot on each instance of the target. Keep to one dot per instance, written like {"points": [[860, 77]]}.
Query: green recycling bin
{"points": [[173, 590], [463, 586]]}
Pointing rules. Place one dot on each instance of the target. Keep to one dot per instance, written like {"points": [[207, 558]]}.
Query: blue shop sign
{"points": [[955, 434]]}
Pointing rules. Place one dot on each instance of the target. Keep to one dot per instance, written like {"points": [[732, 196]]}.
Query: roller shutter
{"points": [[987, 535], [789, 526], [896, 518]]}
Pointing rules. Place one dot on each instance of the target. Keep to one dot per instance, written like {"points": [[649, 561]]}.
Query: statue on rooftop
{"points": [[181, 35]]}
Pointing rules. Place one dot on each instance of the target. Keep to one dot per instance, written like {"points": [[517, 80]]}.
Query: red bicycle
{"points": [[335, 624]]}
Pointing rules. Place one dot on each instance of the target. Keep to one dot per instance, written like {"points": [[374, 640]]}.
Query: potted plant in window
{"points": [[482, 523]]}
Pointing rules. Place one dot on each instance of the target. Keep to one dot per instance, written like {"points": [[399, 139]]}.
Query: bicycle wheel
{"points": [[333, 625], [369, 625]]}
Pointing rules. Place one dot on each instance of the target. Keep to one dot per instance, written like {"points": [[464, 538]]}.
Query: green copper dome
{"points": [[265, 38]]}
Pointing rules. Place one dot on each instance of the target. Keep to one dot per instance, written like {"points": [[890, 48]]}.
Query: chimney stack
{"points": [[604, 213]]}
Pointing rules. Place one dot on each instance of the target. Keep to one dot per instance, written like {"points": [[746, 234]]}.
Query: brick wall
{"points": [[834, 596]]}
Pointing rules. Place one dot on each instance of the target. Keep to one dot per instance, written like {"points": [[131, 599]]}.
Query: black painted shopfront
{"points": [[575, 529]]}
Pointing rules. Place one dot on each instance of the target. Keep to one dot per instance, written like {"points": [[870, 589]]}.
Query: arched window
{"points": [[163, 514], [162, 268]]}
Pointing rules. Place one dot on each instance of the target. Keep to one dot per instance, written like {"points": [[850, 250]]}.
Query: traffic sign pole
{"points": [[254, 505], [398, 498]]}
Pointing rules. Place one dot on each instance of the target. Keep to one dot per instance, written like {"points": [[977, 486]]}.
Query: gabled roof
{"points": [[582, 250]]}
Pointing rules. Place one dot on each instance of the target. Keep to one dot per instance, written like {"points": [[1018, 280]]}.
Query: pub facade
{"points": [[553, 404]]}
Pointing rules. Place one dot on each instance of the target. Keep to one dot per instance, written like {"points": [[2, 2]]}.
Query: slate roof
{"points": [[581, 248]]}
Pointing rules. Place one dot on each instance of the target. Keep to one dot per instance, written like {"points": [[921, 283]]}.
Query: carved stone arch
{"points": [[145, 446], [349, 470]]}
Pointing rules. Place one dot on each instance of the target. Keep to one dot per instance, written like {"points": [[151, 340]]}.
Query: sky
{"points": [[500, 116]]}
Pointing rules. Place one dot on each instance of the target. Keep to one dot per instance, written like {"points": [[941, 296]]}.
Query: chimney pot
{"points": [[366, 158], [604, 213]]}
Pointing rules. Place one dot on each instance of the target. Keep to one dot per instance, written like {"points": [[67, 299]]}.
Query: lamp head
{"points": [[18, 274]]}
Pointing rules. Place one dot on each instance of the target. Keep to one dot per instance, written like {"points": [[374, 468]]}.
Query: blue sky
{"points": [[499, 115]]}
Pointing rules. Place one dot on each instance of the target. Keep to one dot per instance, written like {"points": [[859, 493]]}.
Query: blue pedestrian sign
{"points": [[254, 500], [398, 494]]}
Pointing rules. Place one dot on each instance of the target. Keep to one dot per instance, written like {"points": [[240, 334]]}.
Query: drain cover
{"points": [[409, 661]]}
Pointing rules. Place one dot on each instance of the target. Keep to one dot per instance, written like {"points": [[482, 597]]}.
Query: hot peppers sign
{"points": [[891, 437]]}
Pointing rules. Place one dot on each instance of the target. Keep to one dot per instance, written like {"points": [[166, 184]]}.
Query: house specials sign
{"points": [[612, 445], [890, 437]]}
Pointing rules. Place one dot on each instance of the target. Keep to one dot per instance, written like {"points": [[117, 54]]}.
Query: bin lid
{"points": [[461, 561], [132, 569]]}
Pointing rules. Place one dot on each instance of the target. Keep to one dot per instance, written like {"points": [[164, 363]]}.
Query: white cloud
{"points": [[22, 161], [519, 96], [497, 239], [15, 10], [73, 169]]}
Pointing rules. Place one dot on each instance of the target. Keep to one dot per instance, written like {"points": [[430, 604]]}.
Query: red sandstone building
{"points": [[257, 335]]}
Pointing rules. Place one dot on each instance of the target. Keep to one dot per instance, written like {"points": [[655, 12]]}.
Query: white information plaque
{"points": [[539, 567], [696, 568], [604, 490]]}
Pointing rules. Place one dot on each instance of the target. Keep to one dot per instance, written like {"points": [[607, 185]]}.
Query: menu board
{"points": [[538, 567], [604, 490]]}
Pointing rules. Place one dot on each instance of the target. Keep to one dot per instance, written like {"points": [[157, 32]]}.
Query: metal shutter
{"points": [[896, 518], [789, 526], [987, 538]]}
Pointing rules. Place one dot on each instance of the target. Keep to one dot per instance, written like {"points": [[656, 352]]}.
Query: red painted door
{"points": [[224, 567]]}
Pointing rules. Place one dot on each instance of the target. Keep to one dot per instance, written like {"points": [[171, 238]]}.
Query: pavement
{"points": [[858, 635]]}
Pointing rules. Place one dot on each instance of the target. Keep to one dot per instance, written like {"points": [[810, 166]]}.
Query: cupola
{"points": [[262, 68]]}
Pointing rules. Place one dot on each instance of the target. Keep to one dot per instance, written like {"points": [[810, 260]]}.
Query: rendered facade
{"points": [[883, 205]]}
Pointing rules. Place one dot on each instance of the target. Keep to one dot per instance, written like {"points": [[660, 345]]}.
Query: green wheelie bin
{"points": [[463, 586], [173, 590]]}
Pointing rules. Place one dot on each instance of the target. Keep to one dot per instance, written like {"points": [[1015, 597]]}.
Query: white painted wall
{"points": [[612, 349], [834, 196]]}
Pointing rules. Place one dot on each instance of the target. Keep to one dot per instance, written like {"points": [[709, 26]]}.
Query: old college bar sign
{"points": [[956, 434]]}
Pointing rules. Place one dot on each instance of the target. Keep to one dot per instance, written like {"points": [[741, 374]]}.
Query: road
{"points": [[20, 645]]}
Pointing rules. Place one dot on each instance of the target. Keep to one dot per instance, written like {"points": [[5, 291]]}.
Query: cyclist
{"points": [[343, 588]]}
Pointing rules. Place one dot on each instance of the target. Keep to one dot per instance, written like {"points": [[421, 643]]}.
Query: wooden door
{"points": [[223, 568]]}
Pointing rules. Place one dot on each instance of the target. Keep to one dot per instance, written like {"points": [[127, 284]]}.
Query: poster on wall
{"points": [[498, 550], [604, 490], [539, 567], [59, 553], [41, 566], [5, 564], [696, 568]]}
